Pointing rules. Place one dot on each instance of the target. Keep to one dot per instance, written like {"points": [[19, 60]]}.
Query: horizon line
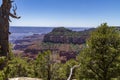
{"points": [[58, 26], [62, 26]]}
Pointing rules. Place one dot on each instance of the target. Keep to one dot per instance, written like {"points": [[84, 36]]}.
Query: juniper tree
{"points": [[102, 54]]}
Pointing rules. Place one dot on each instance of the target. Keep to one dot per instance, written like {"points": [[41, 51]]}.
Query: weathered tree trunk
{"points": [[4, 26], [4, 41], [71, 71], [49, 72]]}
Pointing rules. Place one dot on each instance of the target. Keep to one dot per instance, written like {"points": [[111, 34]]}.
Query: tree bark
{"points": [[4, 26]]}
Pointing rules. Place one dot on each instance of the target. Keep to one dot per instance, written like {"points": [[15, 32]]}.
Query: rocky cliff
{"points": [[64, 35]]}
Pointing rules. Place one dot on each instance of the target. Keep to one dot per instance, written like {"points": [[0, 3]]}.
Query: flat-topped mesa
{"points": [[61, 29], [64, 35]]}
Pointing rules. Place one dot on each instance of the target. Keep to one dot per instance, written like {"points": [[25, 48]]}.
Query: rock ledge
{"points": [[24, 78]]}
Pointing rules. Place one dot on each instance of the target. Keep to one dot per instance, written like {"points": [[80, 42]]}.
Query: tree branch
{"points": [[94, 71], [71, 71], [14, 16]]}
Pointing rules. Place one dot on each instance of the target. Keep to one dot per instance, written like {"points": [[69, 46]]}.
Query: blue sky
{"points": [[69, 13]]}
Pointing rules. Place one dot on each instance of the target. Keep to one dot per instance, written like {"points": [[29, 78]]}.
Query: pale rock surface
{"points": [[24, 78]]}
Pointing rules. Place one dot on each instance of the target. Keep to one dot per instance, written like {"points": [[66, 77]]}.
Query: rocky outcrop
{"points": [[65, 56], [28, 41], [63, 35]]}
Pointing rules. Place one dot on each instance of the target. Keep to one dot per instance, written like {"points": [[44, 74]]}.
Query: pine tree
{"points": [[101, 57], [43, 65]]}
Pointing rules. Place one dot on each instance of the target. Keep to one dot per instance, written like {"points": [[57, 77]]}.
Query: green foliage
{"points": [[47, 69], [15, 66], [69, 64], [61, 73], [100, 59], [2, 75], [43, 65], [2, 59], [2, 64], [63, 70]]}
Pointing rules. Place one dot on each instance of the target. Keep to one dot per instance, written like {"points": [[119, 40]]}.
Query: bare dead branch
{"points": [[71, 71], [14, 16], [14, 9]]}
